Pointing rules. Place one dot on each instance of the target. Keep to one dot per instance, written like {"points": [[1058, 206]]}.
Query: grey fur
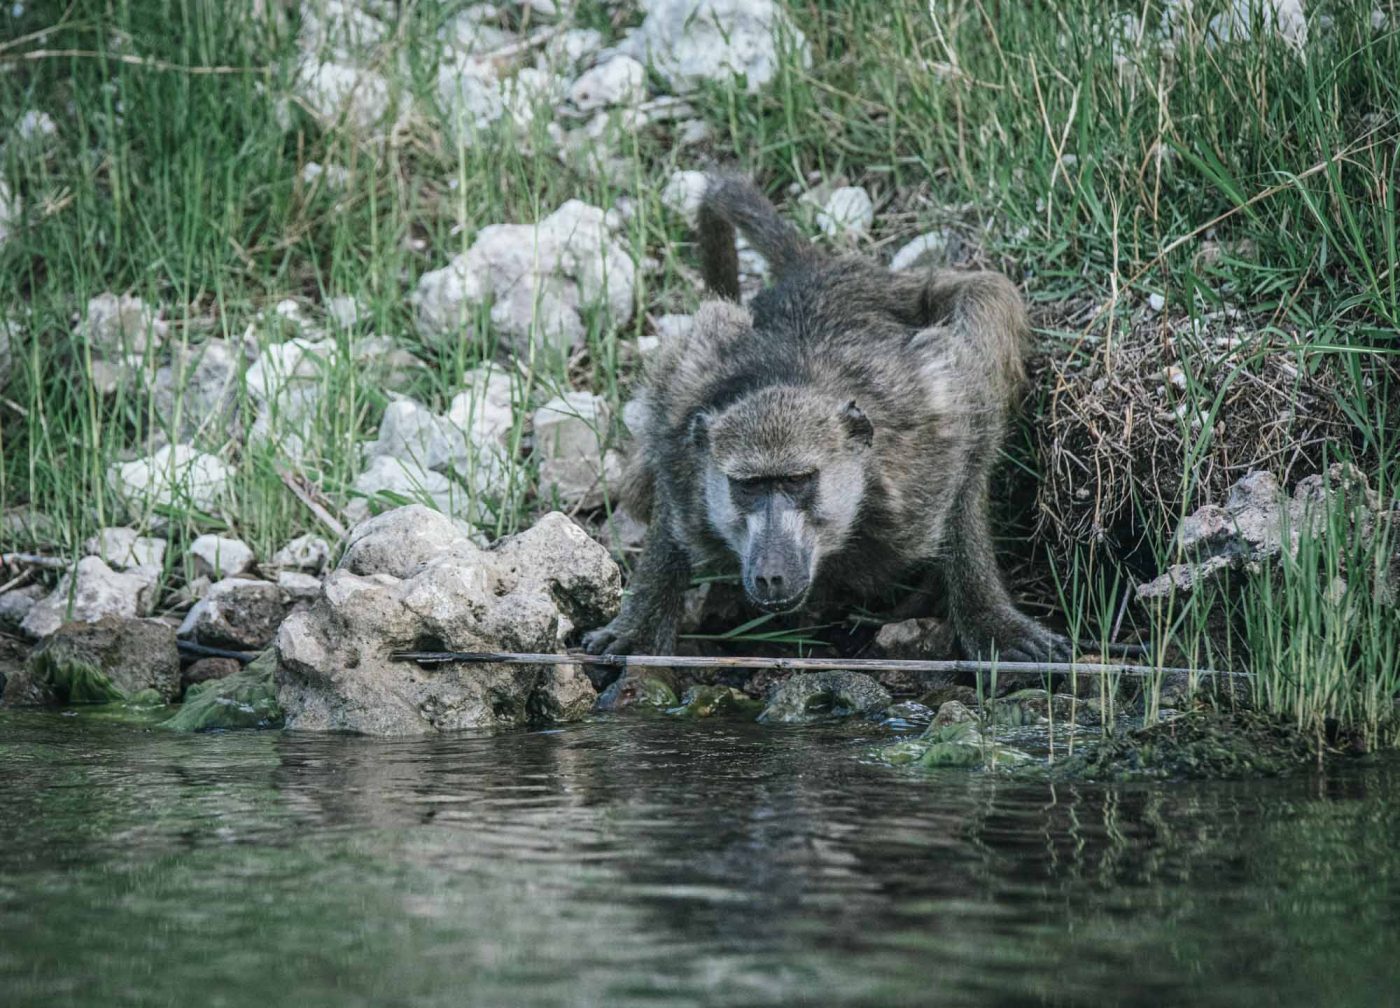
{"points": [[893, 390]]}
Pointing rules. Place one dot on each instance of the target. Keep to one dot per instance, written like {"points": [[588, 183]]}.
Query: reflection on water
{"points": [[637, 862]]}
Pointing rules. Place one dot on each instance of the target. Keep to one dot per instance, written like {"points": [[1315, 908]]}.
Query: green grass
{"points": [[1093, 167]]}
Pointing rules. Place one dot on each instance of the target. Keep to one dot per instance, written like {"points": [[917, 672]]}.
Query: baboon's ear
{"points": [[700, 431], [858, 425]]}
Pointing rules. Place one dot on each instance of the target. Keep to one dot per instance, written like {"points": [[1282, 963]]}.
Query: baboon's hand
{"points": [[1013, 637], [614, 638]]}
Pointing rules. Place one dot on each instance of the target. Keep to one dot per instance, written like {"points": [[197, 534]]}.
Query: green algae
{"points": [[707, 701], [246, 699]]}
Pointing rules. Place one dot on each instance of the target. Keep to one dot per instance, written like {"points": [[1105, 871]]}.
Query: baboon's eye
{"points": [[796, 484]]}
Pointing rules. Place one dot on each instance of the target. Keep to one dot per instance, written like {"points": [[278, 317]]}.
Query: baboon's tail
{"points": [[731, 202]]}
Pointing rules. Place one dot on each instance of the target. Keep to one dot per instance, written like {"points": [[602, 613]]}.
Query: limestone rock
{"points": [[121, 324], [402, 541], [298, 586], [1258, 522], [96, 591], [16, 603], [122, 548], [619, 81], [238, 614], [111, 659], [569, 435], [538, 279], [924, 639], [690, 41], [304, 553], [407, 581], [218, 556], [810, 697], [209, 669], [848, 212], [196, 394], [176, 476]]}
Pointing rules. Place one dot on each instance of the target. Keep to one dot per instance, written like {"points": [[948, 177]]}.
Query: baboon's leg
{"points": [[650, 617]]}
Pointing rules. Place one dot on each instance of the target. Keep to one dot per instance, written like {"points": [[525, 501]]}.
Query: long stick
{"points": [[789, 664]]}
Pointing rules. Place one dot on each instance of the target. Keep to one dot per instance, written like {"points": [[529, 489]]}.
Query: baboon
{"points": [[838, 437]]}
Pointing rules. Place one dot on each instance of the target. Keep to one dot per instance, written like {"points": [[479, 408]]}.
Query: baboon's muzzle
{"points": [[776, 572]]}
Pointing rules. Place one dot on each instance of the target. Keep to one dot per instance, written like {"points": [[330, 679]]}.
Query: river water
{"points": [[647, 861]]}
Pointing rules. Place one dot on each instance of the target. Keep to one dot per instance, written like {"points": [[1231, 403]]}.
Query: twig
{"points": [[297, 485], [790, 664], [149, 62], [17, 580], [203, 651], [33, 560]]}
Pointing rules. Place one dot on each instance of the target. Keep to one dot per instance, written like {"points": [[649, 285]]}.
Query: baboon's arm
{"points": [[986, 621], [650, 617]]}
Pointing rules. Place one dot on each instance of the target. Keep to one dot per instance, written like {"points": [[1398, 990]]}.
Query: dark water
{"points": [[644, 862]]}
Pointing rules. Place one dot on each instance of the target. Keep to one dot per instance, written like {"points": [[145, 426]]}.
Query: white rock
{"points": [[196, 393], [569, 434], [124, 324], [473, 31], [406, 479], [619, 81], [690, 132], [930, 246], [573, 424], [570, 48], [485, 409], [539, 279], [413, 433], [345, 311], [1284, 18], [472, 95], [335, 176], [96, 591], [342, 95], [299, 359], [218, 556], [304, 553], [339, 29], [175, 476], [121, 548], [683, 193], [690, 41], [848, 211], [1156, 301], [34, 125], [9, 209], [10, 335], [299, 587]]}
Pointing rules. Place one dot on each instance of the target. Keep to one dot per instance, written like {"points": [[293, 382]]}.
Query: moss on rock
{"points": [[246, 699]]}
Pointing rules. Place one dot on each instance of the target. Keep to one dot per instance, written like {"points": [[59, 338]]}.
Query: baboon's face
{"points": [[784, 481]]}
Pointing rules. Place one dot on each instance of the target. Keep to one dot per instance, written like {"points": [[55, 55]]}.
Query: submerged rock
{"points": [[811, 697], [403, 587], [1204, 744], [953, 740], [245, 699], [707, 701], [206, 670], [106, 661], [95, 591], [642, 687]]}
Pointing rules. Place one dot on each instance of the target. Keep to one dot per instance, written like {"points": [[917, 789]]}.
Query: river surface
{"points": [[647, 861]]}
